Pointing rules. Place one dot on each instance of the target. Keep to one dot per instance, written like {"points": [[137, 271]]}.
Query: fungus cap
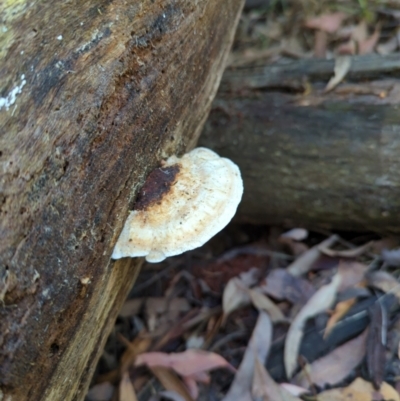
{"points": [[181, 206]]}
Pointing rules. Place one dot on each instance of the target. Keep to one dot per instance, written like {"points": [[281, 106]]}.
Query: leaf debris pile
{"points": [[284, 30], [261, 314]]}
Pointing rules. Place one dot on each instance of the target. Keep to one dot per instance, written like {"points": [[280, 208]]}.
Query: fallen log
{"points": [[322, 160], [94, 95]]}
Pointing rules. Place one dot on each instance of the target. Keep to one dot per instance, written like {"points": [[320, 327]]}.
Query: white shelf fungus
{"points": [[181, 206]]}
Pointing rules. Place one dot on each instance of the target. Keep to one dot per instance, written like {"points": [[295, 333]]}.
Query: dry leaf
{"points": [[297, 234], [347, 253], [320, 44], [360, 32], [376, 350], [352, 274], [291, 239], [265, 388], [368, 45], [187, 363], [360, 390], [171, 395], [131, 307], [101, 392], [318, 303], [258, 347], [385, 243], [391, 257], [280, 284], [385, 282], [293, 389], [329, 23], [304, 263], [161, 311], [133, 349], [389, 46], [171, 382], [126, 390], [235, 296], [340, 310], [335, 366], [342, 67], [292, 47], [398, 350], [250, 277], [263, 303], [191, 385], [360, 42], [249, 55]]}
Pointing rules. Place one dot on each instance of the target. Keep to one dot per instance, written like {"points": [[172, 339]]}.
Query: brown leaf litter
{"points": [[269, 313]]}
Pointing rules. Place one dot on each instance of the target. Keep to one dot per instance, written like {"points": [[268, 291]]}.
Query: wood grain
{"points": [[94, 95], [322, 160]]}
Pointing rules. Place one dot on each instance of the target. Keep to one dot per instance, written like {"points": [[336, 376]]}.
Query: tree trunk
{"points": [[323, 160], [95, 94]]}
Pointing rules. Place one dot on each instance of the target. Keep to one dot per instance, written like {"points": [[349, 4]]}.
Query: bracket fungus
{"points": [[181, 206]]}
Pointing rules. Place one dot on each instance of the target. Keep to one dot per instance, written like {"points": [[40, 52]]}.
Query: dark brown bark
{"points": [[95, 94], [323, 160]]}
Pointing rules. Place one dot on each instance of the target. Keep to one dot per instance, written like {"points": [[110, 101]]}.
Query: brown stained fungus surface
{"points": [[158, 184], [185, 206]]}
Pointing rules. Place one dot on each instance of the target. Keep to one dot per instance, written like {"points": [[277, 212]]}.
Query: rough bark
{"points": [[323, 160], [94, 94]]}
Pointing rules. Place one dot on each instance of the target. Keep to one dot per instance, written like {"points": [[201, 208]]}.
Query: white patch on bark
{"points": [[9, 100]]}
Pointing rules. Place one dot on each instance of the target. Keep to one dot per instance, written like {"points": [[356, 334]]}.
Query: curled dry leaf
{"points": [[191, 382], [360, 390], [263, 303], [170, 381], [335, 366], [360, 41], [368, 45], [187, 363], [340, 310], [236, 292], [385, 282], [258, 347], [329, 23], [281, 285], [347, 253], [235, 296], [305, 262], [126, 390], [342, 67], [133, 349], [293, 389], [318, 303], [265, 388]]}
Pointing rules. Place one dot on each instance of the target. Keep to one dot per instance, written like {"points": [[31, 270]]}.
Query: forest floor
{"points": [[270, 313]]}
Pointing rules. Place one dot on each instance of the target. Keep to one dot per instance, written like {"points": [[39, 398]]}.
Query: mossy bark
{"points": [[94, 95], [322, 160]]}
